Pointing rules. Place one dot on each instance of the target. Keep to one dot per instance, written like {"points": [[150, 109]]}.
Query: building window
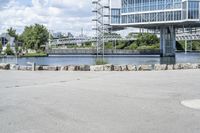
{"points": [[115, 16], [193, 10]]}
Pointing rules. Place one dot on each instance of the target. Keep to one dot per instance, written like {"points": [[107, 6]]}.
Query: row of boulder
{"points": [[107, 67]]}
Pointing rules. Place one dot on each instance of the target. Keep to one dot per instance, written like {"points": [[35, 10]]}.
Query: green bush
{"points": [[100, 61], [109, 45], [8, 50], [1, 47], [153, 47], [133, 46]]}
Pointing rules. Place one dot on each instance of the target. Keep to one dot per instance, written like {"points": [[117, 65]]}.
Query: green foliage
{"points": [[42, 54], [1, 46], [133, 46], [146, 39], [12, 32], [196, 45], [109, 45], [121, 44], [8, 50], [152, 47], [180, 45], [100, 61], [34, 36]]}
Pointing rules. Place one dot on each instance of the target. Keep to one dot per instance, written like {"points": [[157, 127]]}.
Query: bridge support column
{"points": [[167, 41]]}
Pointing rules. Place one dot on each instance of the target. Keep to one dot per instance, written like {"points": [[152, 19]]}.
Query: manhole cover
{"points": [[194, 104]]}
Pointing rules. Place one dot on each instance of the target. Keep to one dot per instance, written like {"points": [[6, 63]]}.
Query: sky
{"points": [[58, 15]]}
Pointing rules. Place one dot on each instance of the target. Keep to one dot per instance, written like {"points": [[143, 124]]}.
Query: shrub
{"points": [[1, 46], [100, 61], [8, 50], [133, 46], [108, 45]]}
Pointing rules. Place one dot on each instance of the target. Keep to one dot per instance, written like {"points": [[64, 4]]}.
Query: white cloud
{"points": [[65, 15]]}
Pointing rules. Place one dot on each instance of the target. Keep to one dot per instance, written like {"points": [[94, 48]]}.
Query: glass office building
{"points": [[133, 12], [165, 15]]}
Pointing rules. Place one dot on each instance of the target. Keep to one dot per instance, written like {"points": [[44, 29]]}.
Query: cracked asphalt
{"points": [[98, 102]]}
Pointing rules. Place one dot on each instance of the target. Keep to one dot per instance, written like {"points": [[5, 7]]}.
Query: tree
{"points": [[34, 36], [12, 32], [8, 50], [1, 46], [147, 39]]}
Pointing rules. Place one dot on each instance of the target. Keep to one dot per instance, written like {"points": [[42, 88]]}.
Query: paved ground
{"points": [[98, 102]]}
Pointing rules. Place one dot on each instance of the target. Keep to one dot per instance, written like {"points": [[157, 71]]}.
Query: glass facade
{"points": [[193, 10], [149, 5], [115, 16], [141, 11]]}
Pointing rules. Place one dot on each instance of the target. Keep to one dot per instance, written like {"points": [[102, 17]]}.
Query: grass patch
{"points": [[35, 55], [100, 61]]}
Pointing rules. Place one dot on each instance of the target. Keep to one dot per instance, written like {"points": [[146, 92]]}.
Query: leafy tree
{"points": [[8, 50], [34, 36], [12, 32], [147, 39], [1, 46]]}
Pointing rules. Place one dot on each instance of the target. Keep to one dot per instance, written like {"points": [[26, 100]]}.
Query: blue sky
{"points": [[58, 15]]}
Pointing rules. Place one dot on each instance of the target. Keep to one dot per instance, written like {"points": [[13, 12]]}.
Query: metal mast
{"points": [[102, 11]]}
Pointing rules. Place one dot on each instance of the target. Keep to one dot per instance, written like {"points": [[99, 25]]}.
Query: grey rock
{"points": [[84, 68], [64, 68], [195, 66], [25, 68], [73, 68], [38, 68], [170, 67], [4, 66], [124, 67], [117, 68], [53, 68], [131, 68], [158, 67], [145, 68], [108, 67], [178, 66], [187, 66], [97, 68]]}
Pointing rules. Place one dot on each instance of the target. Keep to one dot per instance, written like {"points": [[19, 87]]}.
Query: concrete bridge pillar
{"points": [[167, 41]]}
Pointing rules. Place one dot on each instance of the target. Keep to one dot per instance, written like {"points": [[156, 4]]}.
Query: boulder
{"points": [[14, 67], [4, 66], [58, 68], [108, 67], [53, 68], [178, 66], [38, 68], [198, 66], [64, 68], [187, 66], [195, 66], [117, 68], [97, 68], [25, 68], [84, 68], [170, 67], [158, 67], [45, 68], [50, 68], [124, 67], [145, 68], [73, 68], [131, 68]]}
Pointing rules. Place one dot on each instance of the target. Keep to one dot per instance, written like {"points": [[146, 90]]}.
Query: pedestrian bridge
{"points": [[80, 40]]}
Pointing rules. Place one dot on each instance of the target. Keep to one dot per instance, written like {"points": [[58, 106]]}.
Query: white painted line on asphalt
{"points": [[193, 104]]}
